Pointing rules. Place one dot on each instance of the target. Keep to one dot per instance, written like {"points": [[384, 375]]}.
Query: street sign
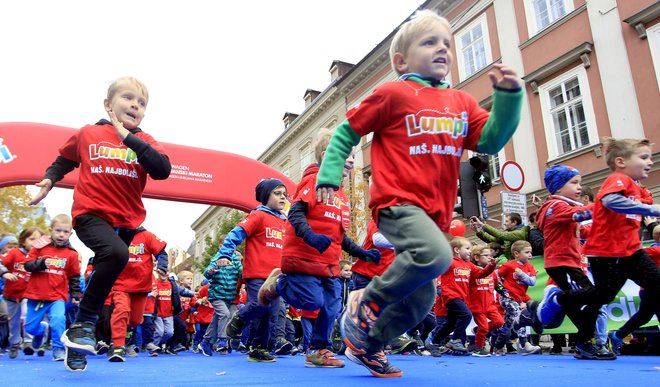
{"points": [[514, 202], [512, 176], [484, 208]]}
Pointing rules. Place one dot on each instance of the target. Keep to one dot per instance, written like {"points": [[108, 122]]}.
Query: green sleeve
{"points": [[340, 147], [511, 236], [486, 237], [502, 123]]}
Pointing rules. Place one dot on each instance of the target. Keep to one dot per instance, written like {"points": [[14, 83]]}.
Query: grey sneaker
{"points": [[80, 336], [59, 354], [75, 361]]}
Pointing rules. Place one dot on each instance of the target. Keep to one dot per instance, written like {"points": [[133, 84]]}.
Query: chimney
{"points": [[310, 96], [289, 118], [338, 69]]}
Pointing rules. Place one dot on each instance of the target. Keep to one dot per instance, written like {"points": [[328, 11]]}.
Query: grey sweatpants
{"points": [[406, 291]]}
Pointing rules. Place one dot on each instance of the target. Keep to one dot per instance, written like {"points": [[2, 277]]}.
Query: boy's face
{"points": [[186, 281], [128, 104], [572, 189], [348, 165], [523, 255], [464, 251], [346, 271], [484, 257], [60, 233], [429, 54], [638, 165], [277, 198]]}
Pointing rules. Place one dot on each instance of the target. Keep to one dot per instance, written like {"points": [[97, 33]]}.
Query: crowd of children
{"points": [[292, 270]]}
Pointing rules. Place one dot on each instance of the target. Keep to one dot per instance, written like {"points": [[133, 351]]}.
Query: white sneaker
{"points": [[528, 349]]}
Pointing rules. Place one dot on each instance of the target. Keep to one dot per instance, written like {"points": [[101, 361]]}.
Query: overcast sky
{"points": [[208, 65]]}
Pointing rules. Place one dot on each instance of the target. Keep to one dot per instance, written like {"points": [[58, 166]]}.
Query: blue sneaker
{"points": [[588, 351], [549, 312], [205, 348], [80, 337], [615, 342], [38, 340]]}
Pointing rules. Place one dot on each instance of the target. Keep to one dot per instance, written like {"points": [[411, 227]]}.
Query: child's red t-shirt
{"points": [[420, 134], [138, 274], [110, 181], [164, 298], [517, 289], [52, 284], [482, 293], [263, 246], [204, 311], [14, 261], [613, 234], [370, 269]]}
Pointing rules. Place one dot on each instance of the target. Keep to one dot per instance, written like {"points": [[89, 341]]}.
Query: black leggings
{"points": [[110, 247], [647, 308], [577, 291], [610, 274]]}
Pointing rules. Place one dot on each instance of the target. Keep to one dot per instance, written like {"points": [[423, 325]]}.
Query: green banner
{"points": [[624, 305]]}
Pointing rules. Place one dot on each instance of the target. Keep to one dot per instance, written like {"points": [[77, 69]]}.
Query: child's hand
{"points": [[325, 195], [509, 79], [45, 185], [119, 127], [223, 262], [650, 219], [9, 277]]}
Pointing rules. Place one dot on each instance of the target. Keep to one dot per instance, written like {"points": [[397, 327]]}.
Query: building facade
{"points": [[591, 70]]}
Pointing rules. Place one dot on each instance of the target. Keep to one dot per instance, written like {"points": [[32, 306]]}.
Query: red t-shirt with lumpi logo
{"points": [[517, 289], [613, 234], [561, 244], [456, 281], [420, 134], [263, 246], [138, 273], [13, 260], [164, 298], [52, 284], [370, 269], [482, 293], [110, 181]]}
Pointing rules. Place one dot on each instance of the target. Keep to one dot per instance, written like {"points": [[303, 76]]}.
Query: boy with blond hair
{"points": [[517, 276], [421, 128], [55, 274], [614, 248], [107, 199]]}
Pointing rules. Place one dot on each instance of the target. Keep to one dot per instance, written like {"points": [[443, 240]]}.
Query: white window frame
{"points": [[306, 156], [653, 36], [530, 13], [587, 106], [462, 71]]}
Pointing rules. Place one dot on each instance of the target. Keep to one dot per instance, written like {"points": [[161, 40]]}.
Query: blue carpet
{"points": [[190, 369]]}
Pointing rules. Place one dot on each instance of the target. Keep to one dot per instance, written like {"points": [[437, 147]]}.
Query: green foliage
{"points": [[15, 213], [213, 244]]}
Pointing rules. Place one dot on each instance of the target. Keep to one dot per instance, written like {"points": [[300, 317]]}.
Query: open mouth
{"points": [[440, 60], [131, 115]]}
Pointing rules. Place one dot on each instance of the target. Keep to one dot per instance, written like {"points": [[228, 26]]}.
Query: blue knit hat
{"points": [[557, 176], [7, 240], [265, 187]]}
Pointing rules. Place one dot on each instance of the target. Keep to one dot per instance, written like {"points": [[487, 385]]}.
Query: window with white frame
{"points": [[473, 48], [286, 169], [653, 35], [542, 13], [568, 114], [495, 165], [305, 156]]}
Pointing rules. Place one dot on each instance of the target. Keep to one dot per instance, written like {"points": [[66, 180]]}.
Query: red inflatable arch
{"points": [[198, 175]]}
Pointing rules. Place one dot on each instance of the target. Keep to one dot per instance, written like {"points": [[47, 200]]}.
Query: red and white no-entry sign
{"points": [[512, 176]]}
